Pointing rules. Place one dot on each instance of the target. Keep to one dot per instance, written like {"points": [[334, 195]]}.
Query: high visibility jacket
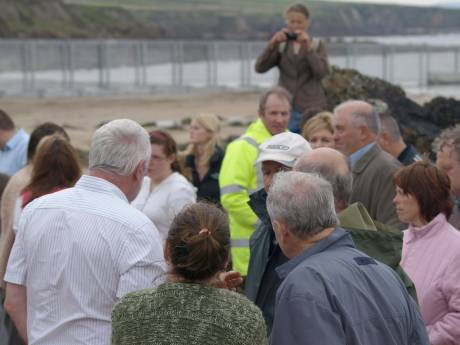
{"points": [[239, 177]]}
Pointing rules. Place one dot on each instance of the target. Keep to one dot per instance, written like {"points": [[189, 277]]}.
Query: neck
{"points": [[303, 245], [119, 181], [396, 148], [156, 180], [175, 278], [199, 151], [5, 136], [419, 223]]}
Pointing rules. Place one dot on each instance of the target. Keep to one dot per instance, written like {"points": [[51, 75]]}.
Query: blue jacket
{"points": [[334, 294]]}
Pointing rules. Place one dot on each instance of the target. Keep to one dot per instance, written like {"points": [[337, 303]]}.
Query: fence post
{"points": [[421, 79], [456, 58], [24, 65], [384, 63], [32, 66]]}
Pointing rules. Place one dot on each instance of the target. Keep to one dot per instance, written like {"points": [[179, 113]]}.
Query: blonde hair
{"points": [[320, 121], [211, 123]]}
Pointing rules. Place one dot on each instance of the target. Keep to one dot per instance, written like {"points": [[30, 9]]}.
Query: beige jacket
{"points": [[12, 190], [300, 73], [373, 185]]}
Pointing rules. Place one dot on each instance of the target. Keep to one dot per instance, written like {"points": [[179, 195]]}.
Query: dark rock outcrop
{"points": [[419, 124]]}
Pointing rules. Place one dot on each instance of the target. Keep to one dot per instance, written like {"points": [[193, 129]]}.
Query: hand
{"points": [[279, 37], [228, 280], [304, 39]]}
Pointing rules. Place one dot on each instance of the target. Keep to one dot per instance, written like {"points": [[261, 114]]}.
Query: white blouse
{"points": [[165, 201]]}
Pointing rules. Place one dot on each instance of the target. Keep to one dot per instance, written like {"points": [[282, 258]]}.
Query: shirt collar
{"points": [[356, 156], [14, 140], [100, 185], [339, 237]]}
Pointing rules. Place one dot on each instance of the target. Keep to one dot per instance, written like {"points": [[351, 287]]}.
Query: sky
{"points": [[402, 2]]}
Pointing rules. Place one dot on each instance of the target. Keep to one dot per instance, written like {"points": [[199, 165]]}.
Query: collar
{"points": [[338, 238], [100, 185], [356, 156], [258, 203], [14, 140], [414, 233]]}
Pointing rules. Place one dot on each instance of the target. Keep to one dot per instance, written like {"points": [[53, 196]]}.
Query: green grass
{"points": [[236, 6]]}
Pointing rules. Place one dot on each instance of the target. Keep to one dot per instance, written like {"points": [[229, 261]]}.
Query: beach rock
{"points": [[419, 124]]}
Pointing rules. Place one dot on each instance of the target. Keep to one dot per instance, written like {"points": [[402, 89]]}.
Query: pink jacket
{"points": [[431, 258]]}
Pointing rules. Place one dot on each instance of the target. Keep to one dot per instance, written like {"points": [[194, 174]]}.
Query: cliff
{"points": [[204, 19]]}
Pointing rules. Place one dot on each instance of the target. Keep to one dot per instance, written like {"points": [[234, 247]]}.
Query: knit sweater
{"points": [[187, 314]]}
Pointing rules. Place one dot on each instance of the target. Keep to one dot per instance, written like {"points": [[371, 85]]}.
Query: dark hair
{"points": [[299, 8], [55, 166], [429, 185], [199, 241], [169, 145], [6, 123], [41, 131]]}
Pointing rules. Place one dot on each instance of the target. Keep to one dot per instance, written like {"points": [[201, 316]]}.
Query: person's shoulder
{"points": [[129, 304], [382, 162]]}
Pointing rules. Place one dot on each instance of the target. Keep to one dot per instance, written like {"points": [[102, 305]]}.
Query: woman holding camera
{"points": [[302, 63]]}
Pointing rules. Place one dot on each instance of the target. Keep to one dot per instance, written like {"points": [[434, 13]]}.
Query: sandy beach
{"points": [[81, 116]]}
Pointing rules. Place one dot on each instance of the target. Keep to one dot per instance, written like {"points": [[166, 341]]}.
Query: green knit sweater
{"points": [[188, 314]]}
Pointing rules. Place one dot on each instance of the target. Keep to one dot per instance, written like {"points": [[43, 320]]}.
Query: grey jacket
{"points": [[373, 185], [334, 294], [300, 73]]}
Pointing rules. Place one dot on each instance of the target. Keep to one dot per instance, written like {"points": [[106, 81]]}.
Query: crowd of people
{"points": [[315, 226]]}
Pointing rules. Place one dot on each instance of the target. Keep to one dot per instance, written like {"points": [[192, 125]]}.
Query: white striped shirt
{"points": [[77, 252]]}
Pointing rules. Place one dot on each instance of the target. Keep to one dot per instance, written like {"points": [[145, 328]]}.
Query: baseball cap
{"points": [[283, 148]]}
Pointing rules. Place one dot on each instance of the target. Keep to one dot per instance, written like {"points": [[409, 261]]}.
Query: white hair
{"points": [[119, 146], [303, 201]]}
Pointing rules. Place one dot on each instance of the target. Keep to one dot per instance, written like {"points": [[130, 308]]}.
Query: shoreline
{"points": [[82, 116]]}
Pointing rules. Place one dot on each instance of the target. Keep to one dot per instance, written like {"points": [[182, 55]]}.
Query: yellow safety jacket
{"points": [[238, 178]]}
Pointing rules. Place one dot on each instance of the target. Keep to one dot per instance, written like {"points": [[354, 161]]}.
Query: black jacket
{"points": [[208, 187]]}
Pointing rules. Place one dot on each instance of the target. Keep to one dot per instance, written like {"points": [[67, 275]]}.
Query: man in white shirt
{"points": [[79, 250]]}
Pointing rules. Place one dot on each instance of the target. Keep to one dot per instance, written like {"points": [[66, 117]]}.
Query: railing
{"points": [[54, 67]]}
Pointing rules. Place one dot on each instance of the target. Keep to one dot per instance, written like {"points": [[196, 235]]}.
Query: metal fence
{"points": [[42, 67]]}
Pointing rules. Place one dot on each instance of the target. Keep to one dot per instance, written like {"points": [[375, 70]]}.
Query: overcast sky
{"points": [[402, 2]]}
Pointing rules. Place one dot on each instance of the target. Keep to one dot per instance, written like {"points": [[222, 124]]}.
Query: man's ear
{"points": [[140, 170], [166, 253], [282, 231]]}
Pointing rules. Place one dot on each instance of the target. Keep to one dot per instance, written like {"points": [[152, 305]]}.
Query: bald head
{"points": [[332, 166], [356, 125]]}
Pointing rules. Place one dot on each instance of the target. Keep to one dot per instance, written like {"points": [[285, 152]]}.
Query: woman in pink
{"points": [[431, 248]]}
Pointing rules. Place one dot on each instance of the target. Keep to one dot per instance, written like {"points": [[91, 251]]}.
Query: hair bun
{"points": [[205, 232]]}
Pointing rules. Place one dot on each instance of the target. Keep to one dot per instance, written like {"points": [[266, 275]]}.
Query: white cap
{"points": [[283, 148]]}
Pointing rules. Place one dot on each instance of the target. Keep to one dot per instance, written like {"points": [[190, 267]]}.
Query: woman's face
{"points": [[321, 138], [407, 208], [160, 164], [199, 134], [296, 21]]}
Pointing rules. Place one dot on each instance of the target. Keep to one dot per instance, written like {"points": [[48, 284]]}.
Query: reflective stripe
{"points": [[231, 188], [251, 141], [258, 167], [240, 243], [259, 177]]}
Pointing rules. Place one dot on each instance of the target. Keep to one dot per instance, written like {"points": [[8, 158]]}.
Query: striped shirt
{"points": [[77, 252]]}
